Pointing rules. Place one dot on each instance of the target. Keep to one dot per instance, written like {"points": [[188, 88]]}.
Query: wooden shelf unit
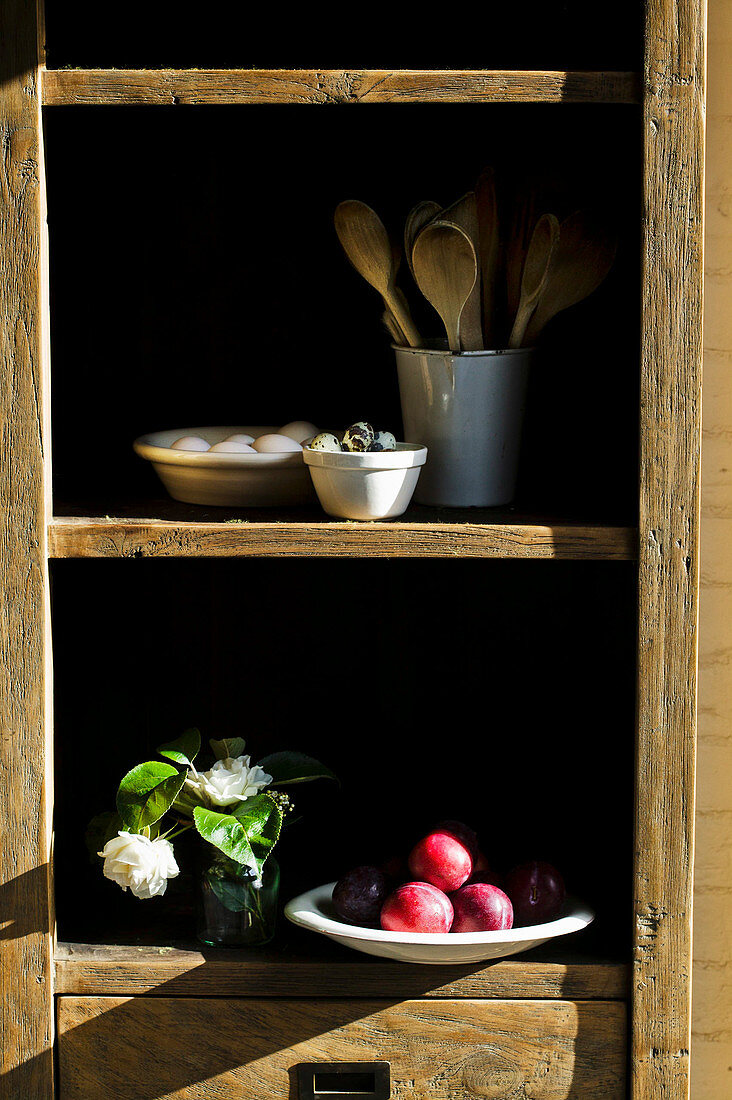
{"points": [[169, 87], [657, 982], [422, 532], [93, 970]]}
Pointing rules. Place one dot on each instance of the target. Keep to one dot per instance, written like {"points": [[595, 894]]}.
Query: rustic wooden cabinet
{"points": [[539, 661]]}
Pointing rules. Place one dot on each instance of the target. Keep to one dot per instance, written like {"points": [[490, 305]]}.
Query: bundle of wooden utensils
{"points": [[492, 285]]}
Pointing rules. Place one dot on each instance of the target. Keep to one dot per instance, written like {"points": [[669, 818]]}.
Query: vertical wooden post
{"points": [[673, 116], [26, 1016]]}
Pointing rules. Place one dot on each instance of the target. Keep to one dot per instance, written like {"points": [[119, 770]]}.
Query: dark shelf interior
{"points": [[552, 35], [501, 693], [196, 278]]}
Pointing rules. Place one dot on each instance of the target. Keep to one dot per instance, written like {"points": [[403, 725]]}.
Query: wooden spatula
{"points": [[445, 269], [368, 247], [543, 243], [582, 259], [464, 213], [488, 251], [417, 219]]}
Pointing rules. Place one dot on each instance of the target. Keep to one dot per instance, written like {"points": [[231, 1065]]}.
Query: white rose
{"points": [[143, 865], [231, 780]]}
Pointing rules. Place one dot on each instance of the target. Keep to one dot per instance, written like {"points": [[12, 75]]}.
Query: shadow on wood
{"points": [[437, 1049]]}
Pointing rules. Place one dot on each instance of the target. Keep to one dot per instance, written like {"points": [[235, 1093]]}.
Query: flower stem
{"points": [[176, 832]]}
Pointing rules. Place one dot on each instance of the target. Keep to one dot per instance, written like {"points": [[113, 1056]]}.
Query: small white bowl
{"points": [[314, 911], [366, 484], [224, 478]]}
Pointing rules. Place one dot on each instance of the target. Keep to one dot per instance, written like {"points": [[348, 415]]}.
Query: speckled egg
{"points": [[274, 443], [190, 443], [299, 430], [383, 441], [324, 442], [358, 437]]}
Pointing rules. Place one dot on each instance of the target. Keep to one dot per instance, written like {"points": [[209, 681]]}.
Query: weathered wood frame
{"points": [[26, 752], [673, 118], [670, 407]]}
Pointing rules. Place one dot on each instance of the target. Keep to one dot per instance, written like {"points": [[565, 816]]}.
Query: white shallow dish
{"points": [[314, 911], [366, 485], [225, 479]]}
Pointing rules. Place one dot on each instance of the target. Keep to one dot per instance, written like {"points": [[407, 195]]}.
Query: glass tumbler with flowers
{"points": [[235, 809]]}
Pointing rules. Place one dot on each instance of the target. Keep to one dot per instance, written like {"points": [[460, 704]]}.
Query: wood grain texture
{"points": [[79, 537], [668, 562], [26, 1017], [166, 87], [93, 970], [438, 1050]]}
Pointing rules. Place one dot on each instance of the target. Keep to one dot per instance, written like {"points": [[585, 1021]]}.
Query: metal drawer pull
{"points": [[344, 1081]]}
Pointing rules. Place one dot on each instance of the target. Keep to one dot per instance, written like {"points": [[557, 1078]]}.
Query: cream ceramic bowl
{"points": [[366, 484], [314, 911], [234, 480]]}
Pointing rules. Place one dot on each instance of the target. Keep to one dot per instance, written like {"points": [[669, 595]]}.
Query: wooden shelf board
{"points": [[69, 87], [165, 529], [114, 970]]}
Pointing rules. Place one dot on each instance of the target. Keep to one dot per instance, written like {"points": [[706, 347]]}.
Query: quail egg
{"points": [[358, 437], [383, 441], [190, 443], [324, 442]]}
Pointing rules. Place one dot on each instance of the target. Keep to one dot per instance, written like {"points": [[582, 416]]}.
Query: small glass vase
{"points": [[231, 910]]}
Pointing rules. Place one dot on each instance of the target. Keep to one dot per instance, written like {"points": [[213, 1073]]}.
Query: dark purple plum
{"points": [[483, 872], [359, 895], [396, 869], [537, 892]]}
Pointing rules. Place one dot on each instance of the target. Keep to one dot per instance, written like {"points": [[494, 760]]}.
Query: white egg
{"points": [[274, 442], [190, 443], [239, 437], [231, 446], [299, 430]]}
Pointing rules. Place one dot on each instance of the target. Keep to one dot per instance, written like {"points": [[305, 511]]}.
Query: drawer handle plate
{"points": [[344, 1080]]}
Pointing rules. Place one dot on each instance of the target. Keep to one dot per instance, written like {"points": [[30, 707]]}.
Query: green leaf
{"points": [[226, 834], [294, 767], [248, 836], [184, 749], [262, 819], [101, 829], [229, 747], [147, 792]]}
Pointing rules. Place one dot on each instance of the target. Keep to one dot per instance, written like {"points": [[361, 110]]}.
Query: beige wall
{"points": [[711, 1065]]}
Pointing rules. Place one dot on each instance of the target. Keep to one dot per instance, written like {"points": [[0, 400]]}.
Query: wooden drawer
{"points": [[140, 1048]]}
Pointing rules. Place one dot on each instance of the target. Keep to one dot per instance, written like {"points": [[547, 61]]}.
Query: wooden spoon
{"points": [[367, 245], [581, 260], [445, 269], [464, 214], [488, 251], [417, 219], [392, 327], [535, 274], [523, 220]]}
